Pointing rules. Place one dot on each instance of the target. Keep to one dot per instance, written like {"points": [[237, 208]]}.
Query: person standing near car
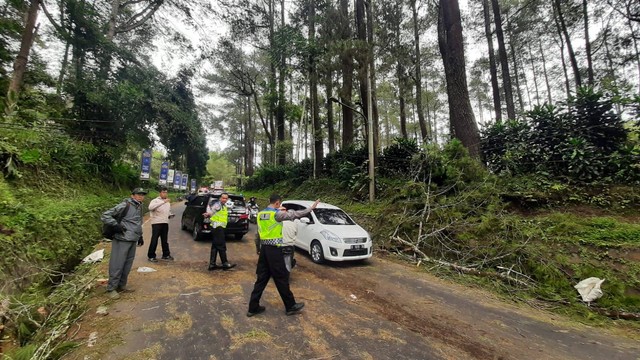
{"points": [[289, 233], [126, 219], [160, 209], [219, 216], [271, 261]]}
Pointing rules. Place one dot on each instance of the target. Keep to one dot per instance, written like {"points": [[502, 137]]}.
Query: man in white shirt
{"points": [[160, 210]]}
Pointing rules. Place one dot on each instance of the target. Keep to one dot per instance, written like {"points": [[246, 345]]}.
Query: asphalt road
{"points": [[378, 309]]}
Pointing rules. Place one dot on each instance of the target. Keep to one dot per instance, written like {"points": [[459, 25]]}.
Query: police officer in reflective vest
{"points": [[217, 211], [271, 260]]}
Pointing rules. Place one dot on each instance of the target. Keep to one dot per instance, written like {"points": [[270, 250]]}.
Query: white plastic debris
{"points": [[353, 297], [589, 289], [94, 257], [145, 269], [102, 310], [93, 338]]}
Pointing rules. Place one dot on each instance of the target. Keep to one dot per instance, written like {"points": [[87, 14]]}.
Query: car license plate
{"points": [[357, 247]]}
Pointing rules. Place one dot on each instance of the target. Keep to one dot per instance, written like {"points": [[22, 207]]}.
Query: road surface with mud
{"points": [[377, 309]]}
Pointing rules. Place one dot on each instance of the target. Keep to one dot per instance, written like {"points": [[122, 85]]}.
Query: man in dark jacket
{"points": [[126, 219]]}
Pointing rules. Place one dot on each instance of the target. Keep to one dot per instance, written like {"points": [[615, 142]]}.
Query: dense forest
{"points": [[480, 125]]}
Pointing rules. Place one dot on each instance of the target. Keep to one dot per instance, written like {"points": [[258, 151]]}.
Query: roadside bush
{"points": [[396, 158], [49, 154], [582, 141]]}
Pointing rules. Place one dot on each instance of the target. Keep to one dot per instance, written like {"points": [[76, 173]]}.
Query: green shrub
{"points": [[583, 141]]}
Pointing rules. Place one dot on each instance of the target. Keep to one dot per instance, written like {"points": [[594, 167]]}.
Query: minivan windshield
{"points": [[333, 217]]}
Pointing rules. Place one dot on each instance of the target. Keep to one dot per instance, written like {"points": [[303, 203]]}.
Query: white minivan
{"points": [[328, 233]]}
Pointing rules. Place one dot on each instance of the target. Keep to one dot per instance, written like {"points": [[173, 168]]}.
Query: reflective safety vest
{"points": [[220, 218], [269, 229]]}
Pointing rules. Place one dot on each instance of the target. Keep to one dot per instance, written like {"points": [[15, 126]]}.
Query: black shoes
{"points": [[168, 258], [153, 260], [227, 266], [295, 309], [257, 311]]}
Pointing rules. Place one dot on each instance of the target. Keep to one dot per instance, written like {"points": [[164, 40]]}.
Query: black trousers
{"points": [[161, 231], [218, 246], [271, 265]]}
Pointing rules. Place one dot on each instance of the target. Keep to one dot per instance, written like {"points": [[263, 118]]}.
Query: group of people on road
{"points": [[274, 243]]}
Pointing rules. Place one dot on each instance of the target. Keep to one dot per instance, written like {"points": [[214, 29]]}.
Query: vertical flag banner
{"points": [[164, 171], [193, 185], [170, 175], [185, 181], [145, 174], [177, 180]]}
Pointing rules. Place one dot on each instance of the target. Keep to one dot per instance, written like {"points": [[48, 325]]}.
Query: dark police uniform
{"points": [[271, 261]]}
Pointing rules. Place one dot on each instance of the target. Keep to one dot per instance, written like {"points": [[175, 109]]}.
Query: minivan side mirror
{"points": [[304, 220]]}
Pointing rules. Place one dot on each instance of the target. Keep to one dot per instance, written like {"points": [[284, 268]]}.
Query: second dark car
{"points": [[193, 220]]}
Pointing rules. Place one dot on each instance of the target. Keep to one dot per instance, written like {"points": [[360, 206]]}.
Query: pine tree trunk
{"points": [[564, 63], [346, 60], [634, 37], [546, 74], [313, 88], [329, 108], [372, 70], [280, 125], [401, 99], [492, 62], [504, 61], [418, 68], [451, 45], [362, 58], [20, 63], [535, 76], [251, 135], [63, 68], [585, 14], [400, 74], [572, 55], [516, 76]]}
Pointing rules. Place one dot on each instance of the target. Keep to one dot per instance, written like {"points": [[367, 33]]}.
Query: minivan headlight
{"points": [[331, 236]]}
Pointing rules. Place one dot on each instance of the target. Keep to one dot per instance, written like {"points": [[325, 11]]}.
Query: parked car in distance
{"points": [[193, 220], [328, 233]]}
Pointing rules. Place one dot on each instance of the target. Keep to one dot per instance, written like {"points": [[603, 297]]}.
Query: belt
{"points": [[272, 242]]}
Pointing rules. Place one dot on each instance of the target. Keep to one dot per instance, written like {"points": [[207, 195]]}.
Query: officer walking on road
{"points": [[271, 261], [218, 214]]}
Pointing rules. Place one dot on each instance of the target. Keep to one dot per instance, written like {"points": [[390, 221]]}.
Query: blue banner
{"points": [[145, 174], [164, 172], [193, 185], [177, 180], [185, 181]]}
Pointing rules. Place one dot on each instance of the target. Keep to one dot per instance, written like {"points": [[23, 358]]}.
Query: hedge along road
{"points": [[376, 309]]}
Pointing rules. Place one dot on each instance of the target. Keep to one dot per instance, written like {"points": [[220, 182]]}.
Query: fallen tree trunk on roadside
{"points": [[462, 269]]}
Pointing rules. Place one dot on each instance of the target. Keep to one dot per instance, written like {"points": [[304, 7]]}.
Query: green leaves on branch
{"points": [[582, 141]]}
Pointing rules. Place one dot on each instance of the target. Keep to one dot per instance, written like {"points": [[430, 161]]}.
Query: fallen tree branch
{"points": [[615, 314], [462, 269]]}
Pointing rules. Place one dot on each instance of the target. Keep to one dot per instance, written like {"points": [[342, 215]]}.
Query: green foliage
{"points": [[396, 158], [582, 141], [267, 176]]}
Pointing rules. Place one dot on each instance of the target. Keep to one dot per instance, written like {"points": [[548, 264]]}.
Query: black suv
{"points": [[192, 219]]}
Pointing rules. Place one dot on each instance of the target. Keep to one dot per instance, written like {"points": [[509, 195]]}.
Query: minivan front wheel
{"points": [[317, 255]]}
